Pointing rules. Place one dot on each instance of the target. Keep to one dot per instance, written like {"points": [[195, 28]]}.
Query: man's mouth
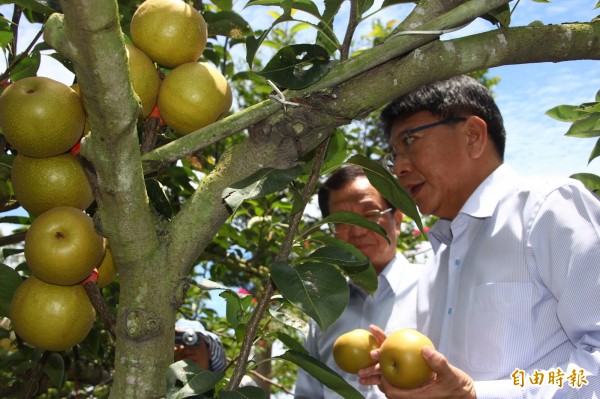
{"points": [[414, 189]]}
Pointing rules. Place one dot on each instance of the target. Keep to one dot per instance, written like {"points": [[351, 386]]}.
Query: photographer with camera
{"points": [[194, 343]]}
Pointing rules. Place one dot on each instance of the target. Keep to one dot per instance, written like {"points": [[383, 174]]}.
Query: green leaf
{"points": [[389, 187], [337, 151], [67, 63], [347, 217], [318, 289], [290, 341], [586, 126], [299, 27], [9, 282], [55, 369], [225, 5], [6, 161], [158, 197], [341, 257], [195, 381], [27, 67], [244, 393], [6, 194], [288, 319], [297, 202], [44, 7], [210, 285], [302, 5], [334, 157], [536, 23], [234, 310], [6, 34], [364, 6], [566, 113], [367, 278], [591, 180], [261, 183], [326, 37], [356, 266], [595, 152], [297, 66], [323, 373], [6, 252], [227, 23], [253, 43]]}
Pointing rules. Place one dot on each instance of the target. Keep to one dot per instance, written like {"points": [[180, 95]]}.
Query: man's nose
{"points": [[356, 231], [402, 166]]}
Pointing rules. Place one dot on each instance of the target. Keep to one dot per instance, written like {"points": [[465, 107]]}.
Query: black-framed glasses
{"points": [[372, 216], [404, 144]]}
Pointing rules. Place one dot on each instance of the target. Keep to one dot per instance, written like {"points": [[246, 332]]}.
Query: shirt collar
{"points": [[481, 203], [484, 200], [392, 273]]}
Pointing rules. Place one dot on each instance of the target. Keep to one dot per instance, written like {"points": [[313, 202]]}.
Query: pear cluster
{"points": [[174, 35], [43, 120]]}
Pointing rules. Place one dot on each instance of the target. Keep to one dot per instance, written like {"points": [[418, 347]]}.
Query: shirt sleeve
{"points": [[564, 250], [308, 387]]}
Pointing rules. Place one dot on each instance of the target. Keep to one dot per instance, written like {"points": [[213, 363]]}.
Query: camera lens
{"points": [[190, 338]]}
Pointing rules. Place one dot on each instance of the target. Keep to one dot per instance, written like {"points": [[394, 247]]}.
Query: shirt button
{"points": [[449, 310], [456, 262]]}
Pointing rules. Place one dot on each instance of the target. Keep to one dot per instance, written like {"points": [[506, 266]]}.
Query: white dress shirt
{"points": [[393, 306], [515, 285]]}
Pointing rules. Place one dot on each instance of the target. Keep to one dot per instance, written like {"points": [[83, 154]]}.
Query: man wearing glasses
{"points": [[392, 306], [511, 299]]}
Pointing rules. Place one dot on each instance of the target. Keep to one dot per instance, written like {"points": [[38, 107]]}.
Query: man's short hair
{"points": [[458, 96]]}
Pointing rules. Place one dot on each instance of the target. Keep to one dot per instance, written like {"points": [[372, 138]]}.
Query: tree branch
{"points": [[90, 36], [398, 45], [97, 300], [17, 12], [190, 143], [427, 9], [352, 24], [12, 239]]}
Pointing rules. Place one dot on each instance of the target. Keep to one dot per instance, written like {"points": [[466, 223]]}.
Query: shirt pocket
{"points": [[499, 328]]}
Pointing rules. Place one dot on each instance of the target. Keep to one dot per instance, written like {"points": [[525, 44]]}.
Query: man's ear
{"points": [[477, 136], [398, 221]]}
